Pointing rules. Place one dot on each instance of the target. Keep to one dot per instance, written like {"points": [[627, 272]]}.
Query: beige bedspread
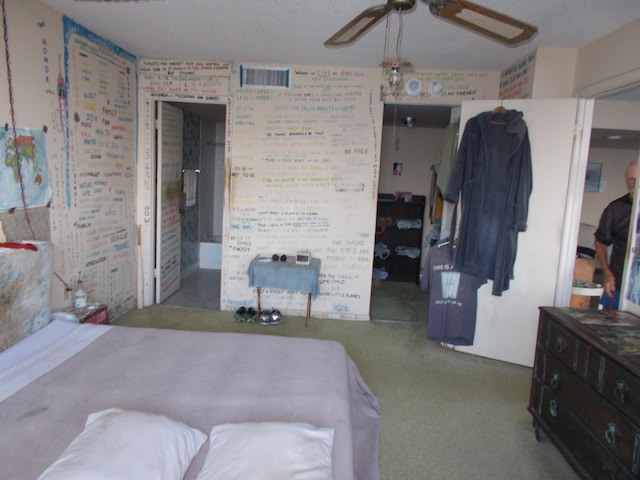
{"points": [[202, 379]]}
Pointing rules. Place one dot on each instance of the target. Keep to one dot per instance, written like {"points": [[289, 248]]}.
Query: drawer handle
{"points": [[620, 391], [555, 381], [612, 433], [553, 408], [561, 344]]}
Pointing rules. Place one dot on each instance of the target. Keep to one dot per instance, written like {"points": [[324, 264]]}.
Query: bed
{"points": [[53, 380]]}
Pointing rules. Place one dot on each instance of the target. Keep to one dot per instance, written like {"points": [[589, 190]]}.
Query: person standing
{"points": [[613, 229]]}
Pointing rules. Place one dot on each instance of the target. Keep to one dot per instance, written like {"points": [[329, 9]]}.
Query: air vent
{"points": [[264, 77]]}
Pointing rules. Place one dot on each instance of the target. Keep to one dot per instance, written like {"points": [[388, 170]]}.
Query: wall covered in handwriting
{"points": [[304, 175], [98, 229], [160, 80]]}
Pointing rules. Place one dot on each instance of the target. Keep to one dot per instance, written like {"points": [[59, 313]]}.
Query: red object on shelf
{"points": [[99, 316], [96, 313], [24, 246]]}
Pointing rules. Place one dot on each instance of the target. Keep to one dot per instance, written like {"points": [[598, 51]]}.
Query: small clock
{"points": [[303, 258]]}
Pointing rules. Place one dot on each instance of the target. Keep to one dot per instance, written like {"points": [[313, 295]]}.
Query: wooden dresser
{"points": [[585, 392]]}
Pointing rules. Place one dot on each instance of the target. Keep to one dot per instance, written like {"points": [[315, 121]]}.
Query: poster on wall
{"points": [[100, 167], [24, 171], [516, 81]]}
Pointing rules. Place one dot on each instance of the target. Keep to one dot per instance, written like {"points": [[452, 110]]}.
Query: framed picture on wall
{"points": [[592, 179]]}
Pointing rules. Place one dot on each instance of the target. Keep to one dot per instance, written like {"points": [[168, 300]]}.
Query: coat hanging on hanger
{"points": [[492, 175]]}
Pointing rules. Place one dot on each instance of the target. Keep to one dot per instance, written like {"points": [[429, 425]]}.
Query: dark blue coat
{"points": [[492, 174]]}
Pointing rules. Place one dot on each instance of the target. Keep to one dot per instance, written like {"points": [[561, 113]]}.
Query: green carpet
{"points": [[446, 415], [398, 302]]}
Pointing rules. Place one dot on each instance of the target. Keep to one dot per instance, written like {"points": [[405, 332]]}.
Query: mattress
{"points": [[25, 284], [202, 379]]}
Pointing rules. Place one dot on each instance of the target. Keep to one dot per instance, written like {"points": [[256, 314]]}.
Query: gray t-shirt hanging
{"points": [[453, 299]]}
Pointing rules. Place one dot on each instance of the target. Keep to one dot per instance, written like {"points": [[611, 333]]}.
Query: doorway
{"points": [[201, 204], [615, 142], [411, 140]]}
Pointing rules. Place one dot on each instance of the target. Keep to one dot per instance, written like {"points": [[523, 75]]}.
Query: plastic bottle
{"points": [[80, 297]]}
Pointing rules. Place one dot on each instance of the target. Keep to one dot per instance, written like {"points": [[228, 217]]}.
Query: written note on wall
{"points": [[304, 177], [100, 167], [516, 81], [444, 87], [193, 80]]}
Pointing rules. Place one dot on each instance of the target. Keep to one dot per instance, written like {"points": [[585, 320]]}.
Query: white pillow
{"points": [[125, 444], [268, 451]]}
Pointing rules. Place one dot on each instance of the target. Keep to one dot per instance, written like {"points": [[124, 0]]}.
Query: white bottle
{"points": [[80, 297]]}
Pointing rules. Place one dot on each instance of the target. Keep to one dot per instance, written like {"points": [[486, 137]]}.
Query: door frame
{"points": [[573, 210], [146, 182]]}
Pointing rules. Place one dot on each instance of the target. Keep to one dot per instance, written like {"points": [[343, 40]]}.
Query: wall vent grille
{"points": [[265, 77]]}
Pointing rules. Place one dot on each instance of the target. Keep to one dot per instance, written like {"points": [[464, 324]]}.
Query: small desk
{"points": [[286, 276]]}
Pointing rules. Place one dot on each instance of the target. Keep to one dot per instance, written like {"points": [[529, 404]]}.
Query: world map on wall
{"points": [[23, 166]]}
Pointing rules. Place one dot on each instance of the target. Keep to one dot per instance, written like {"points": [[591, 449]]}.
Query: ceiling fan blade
{"points": [[358, 26], [483, 20]]}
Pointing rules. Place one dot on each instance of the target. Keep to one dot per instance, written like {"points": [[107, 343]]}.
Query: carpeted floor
{"points": [[398, 302], [446, 415], [390, 301]]}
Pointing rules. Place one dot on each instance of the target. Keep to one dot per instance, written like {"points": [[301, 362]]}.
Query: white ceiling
{"points": [[292, 32], [287, 32]]}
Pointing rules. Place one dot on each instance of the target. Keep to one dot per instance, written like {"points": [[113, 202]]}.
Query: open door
{"points": [[169, 194], [506, 326], [630, 294]]}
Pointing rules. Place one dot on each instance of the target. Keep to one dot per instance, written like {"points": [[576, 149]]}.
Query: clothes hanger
{"points": [[500, 110]]}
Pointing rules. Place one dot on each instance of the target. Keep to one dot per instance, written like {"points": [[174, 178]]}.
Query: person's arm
{"points": [[609, 281]]}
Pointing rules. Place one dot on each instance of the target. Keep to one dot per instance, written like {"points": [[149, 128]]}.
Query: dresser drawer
{"points": [[582, 449], [564, 345], [615, 383], [612, 429]]}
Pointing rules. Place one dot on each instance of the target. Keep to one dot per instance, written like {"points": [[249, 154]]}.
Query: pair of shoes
{"points": [[246, 315], [272, 317]]}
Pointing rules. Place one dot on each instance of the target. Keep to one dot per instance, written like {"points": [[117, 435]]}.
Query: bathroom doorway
{"points": [[201, 205]]}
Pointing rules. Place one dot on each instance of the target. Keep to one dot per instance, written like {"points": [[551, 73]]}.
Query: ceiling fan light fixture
{"points": [[356, 27], [350, 32], [491, 24], [479, 19], [395, 78], [393, 68], [484, 21]]}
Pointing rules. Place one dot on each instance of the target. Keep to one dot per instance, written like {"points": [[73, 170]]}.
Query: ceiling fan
{"points": [[469, 15]]}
